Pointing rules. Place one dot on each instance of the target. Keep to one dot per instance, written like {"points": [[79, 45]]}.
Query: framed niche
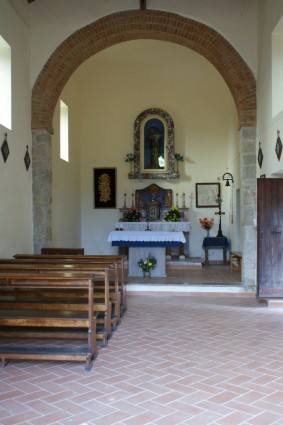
{"points": [[154, 146]]}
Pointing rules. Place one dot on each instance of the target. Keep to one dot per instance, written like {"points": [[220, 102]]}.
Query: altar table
{"points": [[144, 243], [160, 226]]}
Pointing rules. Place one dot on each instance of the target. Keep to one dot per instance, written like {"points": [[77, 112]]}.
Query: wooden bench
{"points": [[63, 251], [102, 305], [118, 260], [237, 257], [46, 306], [115, 287]]}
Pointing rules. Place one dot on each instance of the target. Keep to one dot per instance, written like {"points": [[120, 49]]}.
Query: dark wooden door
{"points": [[270, 238]]}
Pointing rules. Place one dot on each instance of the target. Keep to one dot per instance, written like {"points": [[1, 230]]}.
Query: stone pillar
{"points": [[42, 189], [248, 205]]}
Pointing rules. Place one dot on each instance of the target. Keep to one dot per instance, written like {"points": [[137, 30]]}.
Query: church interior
{"points": [[141, 187]]}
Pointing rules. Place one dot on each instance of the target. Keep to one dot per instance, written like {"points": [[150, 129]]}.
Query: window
{"points": [[5, 84], [64, 131], [277, 69]]}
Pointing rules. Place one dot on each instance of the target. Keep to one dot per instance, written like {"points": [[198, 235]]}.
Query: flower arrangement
{"points": [[178, 157], [173, 214], [147, 265], [132, 214], [130, 157], [206, 223]]}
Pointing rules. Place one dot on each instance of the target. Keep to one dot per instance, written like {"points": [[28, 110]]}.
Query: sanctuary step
{"points": [[188, 264]]}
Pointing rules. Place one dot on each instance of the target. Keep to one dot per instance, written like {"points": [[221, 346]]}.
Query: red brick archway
{"points": [[134, 25]]}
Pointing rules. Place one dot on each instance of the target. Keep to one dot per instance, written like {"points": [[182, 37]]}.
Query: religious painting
{"points": [[154, 148], [152, 211], [104, 187], [207, 194], [154, 140]]}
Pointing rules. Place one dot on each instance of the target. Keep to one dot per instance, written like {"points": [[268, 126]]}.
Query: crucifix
{"points": [[220, 213], [142, 4]]}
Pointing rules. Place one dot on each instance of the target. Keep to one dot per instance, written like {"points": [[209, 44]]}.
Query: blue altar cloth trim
{"points": [[141, 243], [215, 242]]}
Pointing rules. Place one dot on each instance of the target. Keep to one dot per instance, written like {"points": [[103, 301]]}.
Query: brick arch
{"points": [[134, 25]]}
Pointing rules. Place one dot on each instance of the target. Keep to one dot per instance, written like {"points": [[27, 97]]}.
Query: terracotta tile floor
{"points": [[191, 360]]}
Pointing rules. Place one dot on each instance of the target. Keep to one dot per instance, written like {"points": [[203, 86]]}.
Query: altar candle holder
{"points": [[133, 200], [184, 200], [177, 194], [125, 197]]}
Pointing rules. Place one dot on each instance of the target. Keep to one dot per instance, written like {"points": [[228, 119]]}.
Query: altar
{"points": [[144, 243], [159, 226]]}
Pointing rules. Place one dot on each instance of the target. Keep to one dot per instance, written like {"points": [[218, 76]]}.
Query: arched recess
{"points": [[133, 25]]}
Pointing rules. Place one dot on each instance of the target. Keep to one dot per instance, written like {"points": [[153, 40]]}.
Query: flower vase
{"points": [[147, 275], [207, 233]]}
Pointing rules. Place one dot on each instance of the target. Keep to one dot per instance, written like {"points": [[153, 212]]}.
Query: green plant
{"points": [[130, 157], [178, 157], [173, 214], [148, 264]]}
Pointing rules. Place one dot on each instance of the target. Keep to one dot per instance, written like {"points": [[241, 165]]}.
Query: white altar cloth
{"points": [[146, 236], [156, 226], [142, 244]]}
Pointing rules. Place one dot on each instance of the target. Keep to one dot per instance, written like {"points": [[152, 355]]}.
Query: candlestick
{"points": [[133, 200], [125, 197], [177, 194], [184, 200]]}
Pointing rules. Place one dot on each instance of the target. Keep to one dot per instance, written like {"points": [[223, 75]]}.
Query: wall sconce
{"points": [[228, 177]]}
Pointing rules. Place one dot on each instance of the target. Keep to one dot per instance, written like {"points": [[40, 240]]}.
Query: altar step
{"points": [[183, 264], [176, 264], [187, 289]]}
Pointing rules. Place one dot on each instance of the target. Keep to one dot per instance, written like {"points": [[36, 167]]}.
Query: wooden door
{"points": [[270, 238]]}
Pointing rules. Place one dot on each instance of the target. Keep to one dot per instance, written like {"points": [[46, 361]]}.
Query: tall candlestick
{"points": [[133, 200], [125, 197], [177, 194], [184, 200]]}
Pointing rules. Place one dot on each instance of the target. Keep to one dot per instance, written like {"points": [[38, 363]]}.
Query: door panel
{"points": [[270, 237]]}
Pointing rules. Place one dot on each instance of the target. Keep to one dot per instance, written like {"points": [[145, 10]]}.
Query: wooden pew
{"points": [[118, 260], [102, 306], [50, 306], [63, 251], [83, 264]]}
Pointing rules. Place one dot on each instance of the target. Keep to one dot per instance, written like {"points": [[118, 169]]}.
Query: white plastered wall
{"points": [[16, 181], [269, 15]]}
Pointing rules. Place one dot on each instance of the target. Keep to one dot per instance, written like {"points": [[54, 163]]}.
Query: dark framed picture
{"points": [[260, 156], [278, 147], [27, 159], [207, 194], [153, 211], [5, 149], [104, 182]]}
